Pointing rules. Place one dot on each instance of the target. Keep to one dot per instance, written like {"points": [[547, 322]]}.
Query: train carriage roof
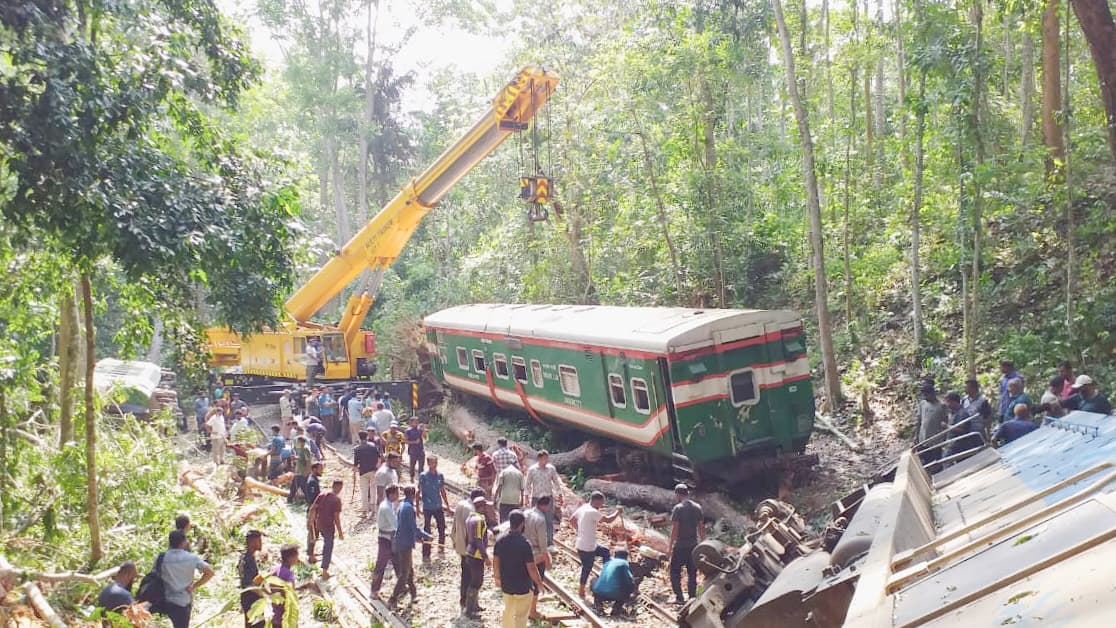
{"points": [[652, 329]]}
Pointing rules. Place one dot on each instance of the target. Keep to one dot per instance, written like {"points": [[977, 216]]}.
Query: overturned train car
{"points": [[709, 391], [1020, 535]]}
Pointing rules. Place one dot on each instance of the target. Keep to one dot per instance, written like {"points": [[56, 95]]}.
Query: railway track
{"points": [[661, 613]]}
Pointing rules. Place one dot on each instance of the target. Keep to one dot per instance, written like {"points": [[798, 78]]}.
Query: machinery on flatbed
{"points": [[1020, 535], [346, 351]]}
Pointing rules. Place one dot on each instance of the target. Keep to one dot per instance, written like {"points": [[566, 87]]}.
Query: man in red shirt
{"points": [[326, 517]]}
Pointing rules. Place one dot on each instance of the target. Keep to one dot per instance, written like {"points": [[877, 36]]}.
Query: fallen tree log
{"points": [[254, 484], [468, 429], [96, 579], [714, 507], [38, 602]]}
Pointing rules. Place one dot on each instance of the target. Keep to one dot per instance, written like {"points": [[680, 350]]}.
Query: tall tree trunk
{"points": [[916, 214], [830, 108], [880, 115], [709, 145], [1027, 89], [660, 206], [155, 349], [1095, 18], [1071, 222], [901, 74], [978, 157], [369, 102], [93, 518], [813, 208], [69, 353], [1051, 90], [848, 200], [571, 224]]}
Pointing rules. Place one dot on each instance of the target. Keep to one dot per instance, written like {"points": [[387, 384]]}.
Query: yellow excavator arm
{"points": [[380, 242]]}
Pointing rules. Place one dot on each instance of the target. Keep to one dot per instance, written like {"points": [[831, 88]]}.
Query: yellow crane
{"points": [[343, 351]]}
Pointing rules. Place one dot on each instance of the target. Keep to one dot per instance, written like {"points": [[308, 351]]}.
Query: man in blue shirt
{"points": [[432, 495], [1007, 368], [275, 452], [1015, 397], [118, 593], [406, 534], [179, 565], [1019, 426], [615, 584], [201, 408]]}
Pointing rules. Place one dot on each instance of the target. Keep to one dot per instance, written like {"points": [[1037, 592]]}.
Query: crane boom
{"points": [[380, 242]]}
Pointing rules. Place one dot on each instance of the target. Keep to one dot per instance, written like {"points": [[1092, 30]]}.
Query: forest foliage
{"points": [[152, 173]]}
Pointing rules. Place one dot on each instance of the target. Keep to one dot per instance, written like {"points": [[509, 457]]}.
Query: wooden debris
{"points": [[37, 601], [254, 484], [714, 506]]}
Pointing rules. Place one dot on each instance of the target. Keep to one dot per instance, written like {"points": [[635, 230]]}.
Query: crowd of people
{"points": [[505, 526], [962, 422]]}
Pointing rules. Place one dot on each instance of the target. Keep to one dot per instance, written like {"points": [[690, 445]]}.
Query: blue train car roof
{"points": [[661, 330]]}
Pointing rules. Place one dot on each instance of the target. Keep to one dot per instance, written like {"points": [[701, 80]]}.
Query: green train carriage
{"points": [[713, 390]]}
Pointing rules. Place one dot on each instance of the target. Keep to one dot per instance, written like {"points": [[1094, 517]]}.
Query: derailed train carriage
{"points": [[1023, 535], [719, 392]]}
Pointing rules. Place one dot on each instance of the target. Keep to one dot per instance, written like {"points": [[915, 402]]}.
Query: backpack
{"points": [[152, 589]]}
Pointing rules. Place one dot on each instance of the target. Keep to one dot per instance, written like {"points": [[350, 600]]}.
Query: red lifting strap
{"points": [[492, 388], [527, 404]]}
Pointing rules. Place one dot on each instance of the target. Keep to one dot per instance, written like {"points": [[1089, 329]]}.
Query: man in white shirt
{"points": [[217, 436], [385, 477], [383, 418], [356, 423], [386, 524], [584, 522]]}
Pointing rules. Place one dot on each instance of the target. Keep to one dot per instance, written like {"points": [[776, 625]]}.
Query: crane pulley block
{"points": [[535, 189]]}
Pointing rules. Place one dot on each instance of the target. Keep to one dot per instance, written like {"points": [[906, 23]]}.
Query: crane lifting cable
{"points": [[536, 189]]}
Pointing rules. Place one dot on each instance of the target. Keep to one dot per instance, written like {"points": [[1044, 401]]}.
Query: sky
{"points": [[431, 47]]}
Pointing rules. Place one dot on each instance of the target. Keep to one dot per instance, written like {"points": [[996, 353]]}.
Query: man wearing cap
{"points": [[615, 584], [476, 556], [584, 522], [407, 533], [1087, 398], [248, 570], [686, 532], [366, 459], [387, 522], [1020, 425], [542, 481], [461, 514], [1051, 406], [386, 477], [394, 441]]}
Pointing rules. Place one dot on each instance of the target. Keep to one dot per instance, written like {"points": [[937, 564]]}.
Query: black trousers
{"points": [[179, 615], [439, 516], [679, 558]]}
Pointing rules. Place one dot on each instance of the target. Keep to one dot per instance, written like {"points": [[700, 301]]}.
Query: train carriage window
{"points": [[519, 367], [742, 388], [462, 359], [640, 397], [536, 374], [567, 376], [500, 364], [616, 391], [478, 360]]}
